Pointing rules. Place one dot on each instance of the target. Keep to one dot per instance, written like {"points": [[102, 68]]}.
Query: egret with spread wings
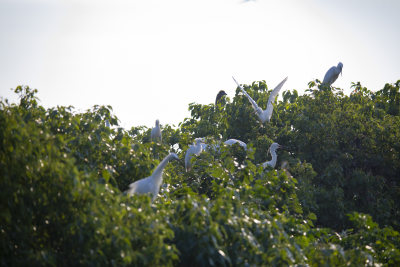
{"points": [[264, 115]]}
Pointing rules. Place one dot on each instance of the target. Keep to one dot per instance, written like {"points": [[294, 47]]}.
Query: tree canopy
{"points": [[333, 198]]}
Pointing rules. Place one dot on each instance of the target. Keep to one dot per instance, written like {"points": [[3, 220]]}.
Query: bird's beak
{"points": [[283, 147]]}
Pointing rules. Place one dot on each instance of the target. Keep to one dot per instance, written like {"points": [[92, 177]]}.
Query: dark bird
{"points": [[219, 96]]}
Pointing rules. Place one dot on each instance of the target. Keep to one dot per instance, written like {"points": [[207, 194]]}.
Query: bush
{"points": [[63, 176]]}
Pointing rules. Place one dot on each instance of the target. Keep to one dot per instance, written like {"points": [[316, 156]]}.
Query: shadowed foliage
{"points": [[334, 202]]}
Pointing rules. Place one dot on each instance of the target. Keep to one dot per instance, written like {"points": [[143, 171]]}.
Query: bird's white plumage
{"points": [[272, 150], [264, 115], [332, 74], [195, 149], [156, 132], [151, 185], [234, 141]]}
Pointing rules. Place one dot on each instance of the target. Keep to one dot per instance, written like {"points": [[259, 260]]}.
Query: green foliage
{"points": [[63, 175]]}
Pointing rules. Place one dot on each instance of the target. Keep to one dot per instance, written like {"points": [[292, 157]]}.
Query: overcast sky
{"points": [[149, 59]]}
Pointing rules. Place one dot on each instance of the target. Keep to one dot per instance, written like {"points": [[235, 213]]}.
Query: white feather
{"points": [[195, 149], [156, 133], [151, 185], [272, 150], [264, 115], [332, 74]]}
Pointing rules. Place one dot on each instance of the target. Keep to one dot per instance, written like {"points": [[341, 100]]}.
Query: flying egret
{"points": [[272, 150], [156, 132], [264, 115], [195, 149], [152, 183], [234, 141], [219, 96], [332, 74]]}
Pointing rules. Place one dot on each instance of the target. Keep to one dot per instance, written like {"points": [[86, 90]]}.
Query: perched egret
{"points": [[195, 149], [152, 183], [234, 141], [332, 74], [264, 115], [156, 132], [219, 96], [272, 150]]}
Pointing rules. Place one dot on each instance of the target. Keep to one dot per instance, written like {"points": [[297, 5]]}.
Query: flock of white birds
{"points": [[151, 185]]}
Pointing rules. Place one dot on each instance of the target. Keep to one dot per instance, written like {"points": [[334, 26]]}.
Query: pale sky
{"points": [[149, 59]]}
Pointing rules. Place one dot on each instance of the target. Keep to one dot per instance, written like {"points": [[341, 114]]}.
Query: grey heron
{"points": [[332, 74]]}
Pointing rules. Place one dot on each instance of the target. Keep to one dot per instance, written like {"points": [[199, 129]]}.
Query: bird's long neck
{"points": [[274, 158], [157, 174], [272, 162]]}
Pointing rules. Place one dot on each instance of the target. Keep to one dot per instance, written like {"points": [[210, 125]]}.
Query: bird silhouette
{"points": [[152, 183], [332, 74], [264, 115], [219, 96]]}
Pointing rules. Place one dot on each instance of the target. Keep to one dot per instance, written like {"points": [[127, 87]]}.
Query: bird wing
{"points": [[156, 134], [266, 164], [329, 76], [234, 141], [230, 142], [272, 97], [276, 90], [140, 186], [253, 103], [132, 188]]}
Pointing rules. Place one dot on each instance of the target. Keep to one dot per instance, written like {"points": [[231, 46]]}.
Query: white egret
{"points": [[234, 141], [272, 150], [219, 96], [195, 149], [152, 183], [332, 74], [156, 132], [264, 115]]}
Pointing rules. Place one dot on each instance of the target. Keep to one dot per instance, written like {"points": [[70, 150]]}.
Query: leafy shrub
{"points": [[63, 176]]}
